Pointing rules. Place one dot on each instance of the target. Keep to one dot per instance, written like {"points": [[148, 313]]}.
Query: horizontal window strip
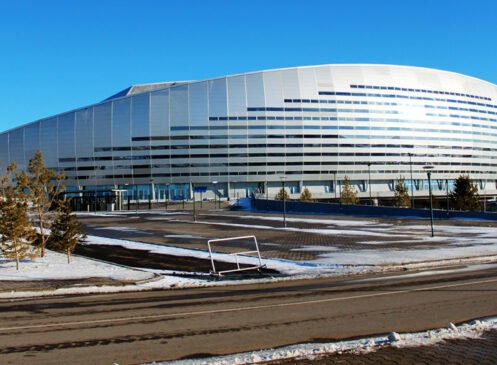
{"points": [[362, 102], [396, 88], [289, 152], [328, 110], [358, 119], [399, 96]]}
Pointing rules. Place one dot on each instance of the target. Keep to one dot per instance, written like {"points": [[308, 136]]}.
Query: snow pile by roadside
{"points": [[315, 350], [54, 266]]}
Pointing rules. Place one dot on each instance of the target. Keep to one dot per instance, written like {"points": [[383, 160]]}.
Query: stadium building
{"points": [[240, 135]]}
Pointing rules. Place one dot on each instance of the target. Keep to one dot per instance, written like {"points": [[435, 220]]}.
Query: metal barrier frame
{"points": [[236, 255]]}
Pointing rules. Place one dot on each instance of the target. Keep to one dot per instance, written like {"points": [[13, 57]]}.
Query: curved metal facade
{"points": [[313, 125]]}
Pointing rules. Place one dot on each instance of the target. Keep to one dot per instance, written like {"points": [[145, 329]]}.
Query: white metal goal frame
{"points": [[236, 254]]}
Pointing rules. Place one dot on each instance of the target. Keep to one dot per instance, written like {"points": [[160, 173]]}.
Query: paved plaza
{"points": [[318, 238], [480, 351]]}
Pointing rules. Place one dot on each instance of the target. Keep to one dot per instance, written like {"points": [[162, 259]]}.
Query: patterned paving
{"points": [[306, 238], [481, 351]]}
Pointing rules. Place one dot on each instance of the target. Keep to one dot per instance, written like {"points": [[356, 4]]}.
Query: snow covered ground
{"points": [[54, 266], [315, 350], [456, 243], [286, 267], [450, 241]]}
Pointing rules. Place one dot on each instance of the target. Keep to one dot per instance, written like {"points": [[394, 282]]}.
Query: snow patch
{"points": [[122, 229], [313, 350], [185, 236], [54, 266]]}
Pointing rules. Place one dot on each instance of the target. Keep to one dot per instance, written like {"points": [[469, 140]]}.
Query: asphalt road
{"points": [[134, 328]]}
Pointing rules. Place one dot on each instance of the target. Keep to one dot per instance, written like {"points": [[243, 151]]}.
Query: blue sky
{"points": [[59, 55]]}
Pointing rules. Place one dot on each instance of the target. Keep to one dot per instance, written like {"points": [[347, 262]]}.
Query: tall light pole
{"points": [[234, 192], [335, 184], [369, 184], [215, 195], [194, 211], [412, 181], [127, 195], [152, 193], [428, 169], [283, 180], [167, 194], [447, 194]]}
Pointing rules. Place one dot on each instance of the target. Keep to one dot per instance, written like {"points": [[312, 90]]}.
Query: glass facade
{"points": [[312, 124]]}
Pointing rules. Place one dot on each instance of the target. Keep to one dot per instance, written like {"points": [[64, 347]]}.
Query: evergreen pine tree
{"points": [[282, 193], [43, 186], [348, 194], [15, 228], [306, 195], [401, 198], [465, 195], [66, 231]]}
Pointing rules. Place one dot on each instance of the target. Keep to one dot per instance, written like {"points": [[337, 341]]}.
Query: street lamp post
{"points": [[234, 192], [447, 194], [215, 195], [412, 182], [428, 169], [194, 211], [369, 184], [128, 196], [167, 194], [283, 180], [137, 199], [335, 184], [151, 195]]}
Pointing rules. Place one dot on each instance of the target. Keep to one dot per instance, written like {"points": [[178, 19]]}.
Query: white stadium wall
{"points": [[314, 125]]}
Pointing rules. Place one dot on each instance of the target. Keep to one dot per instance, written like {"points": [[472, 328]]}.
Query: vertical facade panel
{"points": [[198, 105], [4, 152], [159, 113], [102, 141], [121, 137], [31, 140], [218, 98], [140, 108], [307, 80], [67, 151], [179, 106], [16, 148], [140, 127], [273, 89], [290, 84], [102, 115], [49, 144], [84, 145], [66, 136], [255, 89]]}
